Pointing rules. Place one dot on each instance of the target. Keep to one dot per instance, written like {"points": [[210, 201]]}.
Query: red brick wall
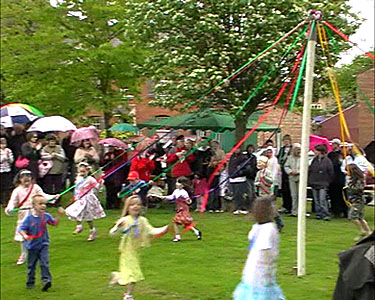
{"points": [[291, 125], [365, 82]]}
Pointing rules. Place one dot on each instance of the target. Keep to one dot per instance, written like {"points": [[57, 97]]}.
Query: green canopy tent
{"points": [[210, 119]]}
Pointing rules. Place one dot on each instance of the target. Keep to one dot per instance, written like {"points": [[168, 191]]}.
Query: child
{"points": [[136, 231], [154, 193], [86, 205], [259, 275], [356, 186], [183, 217], [200, 186], [20, 199], [34, 231], [136, 186], [264, 182]]}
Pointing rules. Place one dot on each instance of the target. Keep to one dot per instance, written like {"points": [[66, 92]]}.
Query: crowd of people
{"points": [[36, 168]]}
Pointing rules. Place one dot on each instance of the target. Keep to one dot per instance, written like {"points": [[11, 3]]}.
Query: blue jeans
{"points": [[321, 203], [32, 259]]}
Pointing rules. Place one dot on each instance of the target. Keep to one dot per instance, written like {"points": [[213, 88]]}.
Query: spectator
{"points": [[177, 157], [291, 168], [274, 167], [6, 161], [144, 164], [137, 187], [31, 151], [16, 139], [251, 169], [69, 149], [320, 175], [53, 152], [114, 181], [87, 153], [239, 185], [285, 190], [203, 157], [335, 189], [355, 157]]}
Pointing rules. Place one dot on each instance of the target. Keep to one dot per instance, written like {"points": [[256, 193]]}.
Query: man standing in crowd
{"points": [[285, 190]]}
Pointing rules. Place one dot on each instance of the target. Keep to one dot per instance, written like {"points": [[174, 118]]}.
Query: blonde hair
{"points": [[129, 201], [35, 198]]}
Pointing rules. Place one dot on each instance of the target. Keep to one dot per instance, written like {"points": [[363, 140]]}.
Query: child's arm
{"points": [[13, 202], [24, 229], [55, 221], [114, 230], [155, 231]]}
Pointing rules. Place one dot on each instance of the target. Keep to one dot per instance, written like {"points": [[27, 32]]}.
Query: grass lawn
{"points": [[207, 269]]}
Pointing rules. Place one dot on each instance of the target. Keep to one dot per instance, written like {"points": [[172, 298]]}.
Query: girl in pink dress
{"points": [[86, 205], [20, 199]]}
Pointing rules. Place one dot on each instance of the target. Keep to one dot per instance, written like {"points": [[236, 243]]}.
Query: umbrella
{"points": [[316, 139], [208, 119], [18, 113], [53, 123], [114, 142], [84, 133], [124, 127]]}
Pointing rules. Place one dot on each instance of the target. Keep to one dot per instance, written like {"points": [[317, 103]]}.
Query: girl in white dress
{"points": [[86, 205], [259, 275]]}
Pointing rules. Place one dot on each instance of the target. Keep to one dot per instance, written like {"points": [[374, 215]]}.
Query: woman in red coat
{"points": [[182, 168], [144, 164]]}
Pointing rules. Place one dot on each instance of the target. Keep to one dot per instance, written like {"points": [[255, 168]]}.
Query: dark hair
{"points": [[263, 209], [52, 137], [180, 138], [17, 178], [250, 145], [355, 173], [269, 141], [287, 137], [321, 148], [30, 135], [186, 184]]}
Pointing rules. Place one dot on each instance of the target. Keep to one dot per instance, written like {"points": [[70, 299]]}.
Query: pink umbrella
{"points": [[114, 142], [85, 133], [316, 139]]}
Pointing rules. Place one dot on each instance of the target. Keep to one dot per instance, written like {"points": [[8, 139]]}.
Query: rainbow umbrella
{"points": [[18, 113]]}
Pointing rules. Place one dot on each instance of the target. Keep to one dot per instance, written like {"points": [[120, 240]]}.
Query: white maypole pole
{"points": [[305, 143]]}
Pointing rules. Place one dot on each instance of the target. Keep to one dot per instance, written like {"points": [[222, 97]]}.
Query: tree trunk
{"points": [[107, 117], [242, 119]]}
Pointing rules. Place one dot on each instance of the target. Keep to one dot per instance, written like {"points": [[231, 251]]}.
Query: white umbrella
{"points": [[53, 123]]}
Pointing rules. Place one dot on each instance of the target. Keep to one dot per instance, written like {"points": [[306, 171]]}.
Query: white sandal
{"points": [[128, 297]]}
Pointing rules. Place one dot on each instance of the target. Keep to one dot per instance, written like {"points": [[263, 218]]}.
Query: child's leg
{"points": [[177, 236], [197, 232], [92, 231], [44, 268], [131, 288], [32, 260], [79, 228], [365, 228]]}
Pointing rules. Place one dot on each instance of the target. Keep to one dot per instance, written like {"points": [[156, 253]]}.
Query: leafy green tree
{"points": [[196, 44], [69, 58]]}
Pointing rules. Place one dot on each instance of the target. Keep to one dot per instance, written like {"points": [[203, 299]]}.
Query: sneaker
{"points": [[92, 235], [236, 212], [244, 212], [176, 239], [46, 286], [210, 211], [113, 279], [128, 297], [199, 235], [79, 229], [326, 219], [21, 260], [293, 215]]}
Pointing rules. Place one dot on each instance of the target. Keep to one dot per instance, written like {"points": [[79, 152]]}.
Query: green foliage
{"points": [[196, 44], [68, 59], [200, 270]]}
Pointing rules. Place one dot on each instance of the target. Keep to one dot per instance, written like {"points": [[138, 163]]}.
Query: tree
{"points": [[196, 44], [68, 59]]}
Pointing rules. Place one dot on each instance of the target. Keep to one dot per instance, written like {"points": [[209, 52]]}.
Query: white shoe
{"points": [[128, 297], [236, 212], [244, 212], [210, 211], [21, 260], [92, 235], [79, 229]]}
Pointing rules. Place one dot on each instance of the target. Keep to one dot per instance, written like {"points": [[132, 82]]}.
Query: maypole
{"points": [[306, 120]]}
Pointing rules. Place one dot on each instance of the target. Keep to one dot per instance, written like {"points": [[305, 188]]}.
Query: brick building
{"points": [[359, 117]]}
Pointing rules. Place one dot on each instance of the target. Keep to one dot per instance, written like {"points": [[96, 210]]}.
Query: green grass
{"points": [[207, 269]]}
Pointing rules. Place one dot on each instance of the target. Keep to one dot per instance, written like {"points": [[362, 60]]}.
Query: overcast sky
{"points": [[364, 36]]}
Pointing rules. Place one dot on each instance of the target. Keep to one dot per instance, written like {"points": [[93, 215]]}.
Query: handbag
{"points": [[22, 162], [44, 166]]}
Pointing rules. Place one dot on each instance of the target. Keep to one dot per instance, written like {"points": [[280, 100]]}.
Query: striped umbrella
{"points": [[18, 113]]}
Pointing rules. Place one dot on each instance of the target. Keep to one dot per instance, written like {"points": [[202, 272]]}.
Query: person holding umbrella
{"points": [[31, 151]]}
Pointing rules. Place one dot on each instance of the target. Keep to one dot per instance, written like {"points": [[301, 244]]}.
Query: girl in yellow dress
{"points": [[136, 232]]}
